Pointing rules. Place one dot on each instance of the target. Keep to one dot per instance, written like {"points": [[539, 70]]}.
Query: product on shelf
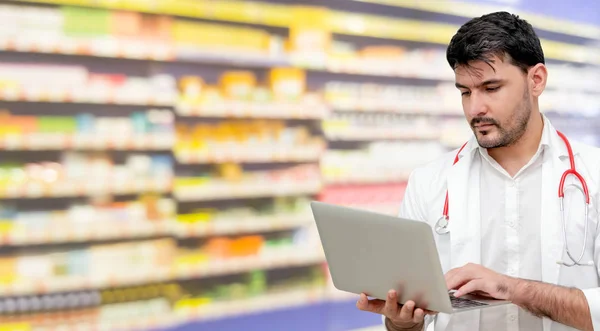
{"points": [[246, 140], [98, 219], [370, 97], [105, 263], [88, 308], [71, 83], [379, 162], [239, 93], [221, 38], [78, 173], [151, 129], [232, 182], [389, 61], [256, 286], [282, 213], [363, 126]]}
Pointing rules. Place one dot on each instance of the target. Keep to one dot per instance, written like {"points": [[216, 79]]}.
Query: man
{"points": [[504, 210]]}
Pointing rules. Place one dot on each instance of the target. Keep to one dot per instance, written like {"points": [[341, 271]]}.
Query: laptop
{"points": [[371, 253]]}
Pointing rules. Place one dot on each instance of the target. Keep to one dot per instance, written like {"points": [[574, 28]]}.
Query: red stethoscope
{"points": [[441, 226]]}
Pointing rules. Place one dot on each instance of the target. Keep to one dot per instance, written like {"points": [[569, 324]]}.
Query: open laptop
{"points": [[372, 253]]}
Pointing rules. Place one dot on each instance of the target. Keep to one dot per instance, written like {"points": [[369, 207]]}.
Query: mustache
{"points": [[484, 120]]}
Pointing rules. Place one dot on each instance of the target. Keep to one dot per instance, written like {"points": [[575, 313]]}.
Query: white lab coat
{"points": [[424, 200]]}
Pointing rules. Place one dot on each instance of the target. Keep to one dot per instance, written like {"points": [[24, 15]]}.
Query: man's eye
{"points": [[492, 89], [465, 93]]}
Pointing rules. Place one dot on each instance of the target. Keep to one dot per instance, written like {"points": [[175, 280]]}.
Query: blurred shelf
{"points": [[339, 22], [263, 303], [132, 49], [240, 109], [81, 94], [366, 134], [241, 225], [269, 259], [467, 10], [369, 107], [85, 188], [365, 178], [82, 232], [101, 47], [379, 71], [234, 58], [257, 153], [80, 283], [57, 141], [250, 189]]}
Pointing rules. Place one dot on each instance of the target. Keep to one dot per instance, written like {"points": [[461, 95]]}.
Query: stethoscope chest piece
{"points": [[441, 226]]}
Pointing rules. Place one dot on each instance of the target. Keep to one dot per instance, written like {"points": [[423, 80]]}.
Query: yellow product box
{"points": [[238, 85], [198, 216], [6, 226], [8, 265], [309, 30], [191, 181], [190, 89], [192, 303], [287, 83], [231, 171], [15, 327], [219, 36]]}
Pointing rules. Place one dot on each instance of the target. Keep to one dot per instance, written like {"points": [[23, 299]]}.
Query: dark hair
{"points": [[501, 34]]}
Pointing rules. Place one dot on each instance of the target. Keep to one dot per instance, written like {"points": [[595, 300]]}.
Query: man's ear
{"points": [[537, 78]]}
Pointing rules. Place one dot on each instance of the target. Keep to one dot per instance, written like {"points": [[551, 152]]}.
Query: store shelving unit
{"points": [[240, 166]]}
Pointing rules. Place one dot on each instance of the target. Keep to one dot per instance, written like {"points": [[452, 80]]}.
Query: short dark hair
{"points": [[501, 34]]}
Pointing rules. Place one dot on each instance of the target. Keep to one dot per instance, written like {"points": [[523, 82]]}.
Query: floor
{"points": [[338, 316]]}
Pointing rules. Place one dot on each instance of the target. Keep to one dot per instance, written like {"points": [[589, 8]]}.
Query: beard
{"points": [[506, 134]]}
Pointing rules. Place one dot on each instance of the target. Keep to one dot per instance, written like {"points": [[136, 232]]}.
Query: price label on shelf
{"points": [[10, 93], [134, 49], [108, 47], [12, 141], [68, 46], [34, 190]]}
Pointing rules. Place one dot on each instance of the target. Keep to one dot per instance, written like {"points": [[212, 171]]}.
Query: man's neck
{"points": [[514, 157]]}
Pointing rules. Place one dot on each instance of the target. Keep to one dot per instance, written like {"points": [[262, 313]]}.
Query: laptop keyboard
{"points": [[464, 303]]}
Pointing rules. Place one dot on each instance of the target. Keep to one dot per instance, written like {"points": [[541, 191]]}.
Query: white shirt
{"points": [[510, 240]]}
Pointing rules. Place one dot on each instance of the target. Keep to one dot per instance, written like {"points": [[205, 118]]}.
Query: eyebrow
{"points": [[487, 82]]}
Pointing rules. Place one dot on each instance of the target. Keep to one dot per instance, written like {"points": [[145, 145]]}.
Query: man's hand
{"points": [[479, 280], [399, 317], [564, 305]]}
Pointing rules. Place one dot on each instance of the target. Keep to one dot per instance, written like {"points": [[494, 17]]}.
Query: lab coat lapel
{"points": [[555, 163], [465, 224], [464, 210]]}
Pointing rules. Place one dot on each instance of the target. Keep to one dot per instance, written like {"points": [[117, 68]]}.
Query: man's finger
{"points": [[391, 304], [373, 306], [472, 286], [460, 278], [406, 313], [419, 315]]}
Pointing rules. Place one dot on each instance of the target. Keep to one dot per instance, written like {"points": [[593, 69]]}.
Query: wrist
{"points": [[517, 288], [390, 326]]}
